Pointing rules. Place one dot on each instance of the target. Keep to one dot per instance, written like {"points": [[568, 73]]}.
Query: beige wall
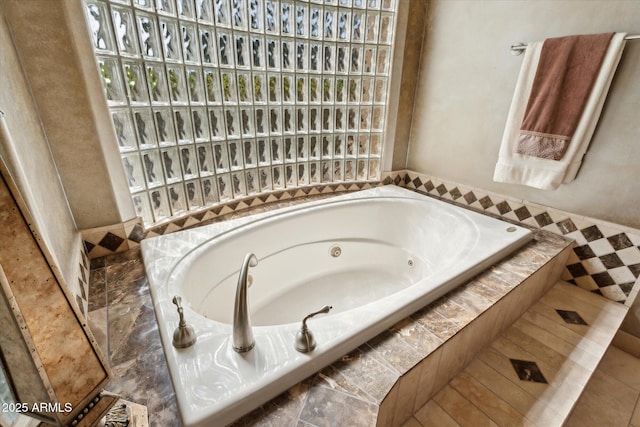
{"points": [[466, 81]]}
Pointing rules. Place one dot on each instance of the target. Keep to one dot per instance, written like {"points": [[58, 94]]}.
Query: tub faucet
{"points": [[243, 340]]}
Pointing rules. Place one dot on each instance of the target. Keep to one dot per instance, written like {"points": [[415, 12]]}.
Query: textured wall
{"points": [[466, 82]]}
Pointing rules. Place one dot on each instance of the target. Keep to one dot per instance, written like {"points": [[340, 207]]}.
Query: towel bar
{"points": [[518, 48]]}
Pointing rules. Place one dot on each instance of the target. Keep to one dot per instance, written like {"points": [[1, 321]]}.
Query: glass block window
{"points": [[214, 100]]}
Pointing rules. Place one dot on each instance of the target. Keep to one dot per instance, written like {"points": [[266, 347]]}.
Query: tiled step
{"points": [[534, 373]]}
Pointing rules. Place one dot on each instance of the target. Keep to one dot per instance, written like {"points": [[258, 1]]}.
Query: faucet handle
{"points": [[304, 341], [184, 335]]}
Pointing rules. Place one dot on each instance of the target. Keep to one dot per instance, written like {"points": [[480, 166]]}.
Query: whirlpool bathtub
{"points": [[375, 256]]}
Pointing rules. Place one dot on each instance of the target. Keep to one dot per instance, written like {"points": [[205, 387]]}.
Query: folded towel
{"points": [[533, 164]]}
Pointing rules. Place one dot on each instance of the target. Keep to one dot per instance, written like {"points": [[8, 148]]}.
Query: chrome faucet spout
{"points": [[243, 340]]}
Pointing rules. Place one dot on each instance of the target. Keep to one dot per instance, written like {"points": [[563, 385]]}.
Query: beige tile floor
{"points": [[488, 392]]}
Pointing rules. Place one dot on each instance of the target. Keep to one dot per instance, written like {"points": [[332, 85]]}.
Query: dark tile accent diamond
{"points": [[455, 193], [88, 246], [620, 241], [441, 189], [591, 233], [161, 229], [417, 182], [387, 181], [429, 186], [407, 179], [584, 252], [626, 288], [611, 261], [234, 205], [566, 226], [486, 202], [80, 304], [82, 291], [571, 317], [83, 274], [138, 233], [470, 197], [635, 269], [528, 371], [398, 179], [603, 279], [111, 241], [503, 207], [180, 222], [522, 213], [543, 219], [577, 270]]}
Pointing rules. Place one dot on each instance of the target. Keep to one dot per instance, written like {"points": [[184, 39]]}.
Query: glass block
{"points": [[124, 25], [315, 58], [272, 22], [185, 9], [166, 7], [262, 121], [371, 28], [315, 85], [158, 85], [170, 40], [204, 11], [264, 175], [136, 83], [256, 16], [222, 13], [149, 39], [242, 47], [238, 185], [177, 84], [342, 59], [329, 58], [182, 121], [340, 120], [301, 21], [382, 61], [344, 25], [164, 126], [143, 124], [326, 173], [171, 165], [386, 28], [374, 169], [360, 3], [344, 3], [301, 90], [302, 148], [232, 124], [369, 60], [190, 47], [235, 155], [238, 14], [209, 191], [229, 95], [194, 195], [338, 171], [100, 26], [200, 124], [143, 4], [244, 88], [288, 120], [133, 171], [314, 147], [208, 47], [301, 120], [289, 149], [375, 146], [338, 146], [205, 159], [329, 24], [189, 161], [367, 90], [212, 87], [286, 18], [380, 92], [377, 119], [363, 168], [216, 123], [363, 145], [327, 119], [111, 81], [341, 90], [365, 118], [278, 177], [250, 154], [287, 55], [275, 121], [259, 88], [314, 173], [352, 119], [388, 5], [373, 4], [290, 178], [251, 181], [159, 204], [350, 147], [356, 26], [257, 52], [196, 89], [349, 170], [277, 155], [264, 152], [246, 121], [288, 87], [315, 22], [273, 54], [226, 52], [220, 157], [302, 53], [314, 120], [123, 126], [142, 208], [327, 147], [327, 90], [355, 66], [177, 200]]}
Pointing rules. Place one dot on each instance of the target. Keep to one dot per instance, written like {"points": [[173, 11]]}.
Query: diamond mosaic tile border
{"points": [[121, 237], [82, 293], [605, 260]]}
